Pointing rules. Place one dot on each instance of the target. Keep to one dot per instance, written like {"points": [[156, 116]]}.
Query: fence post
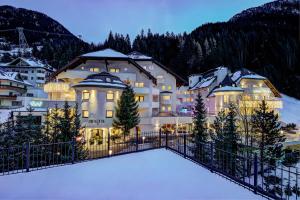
{"points": [[167, 135], [184, 145], [136, 139], [159, 138], [73, 150], [212, 155], [255, 173], [27, 151]]}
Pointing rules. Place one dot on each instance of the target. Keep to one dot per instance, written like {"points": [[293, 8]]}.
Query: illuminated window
{"points": [[163, 87], [139, 98], [139, 84], [94, 69], [169, 108], [85, 113], [114, 70], [225, 99], [163, 108], [169, 87], [109, 95], [109, 113], [82, 68], [85, 95], [166, 98]]}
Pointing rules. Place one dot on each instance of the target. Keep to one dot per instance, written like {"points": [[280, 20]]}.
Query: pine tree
{"points": [[54, 124], [127, 114], [65, 123], [266, 128], [231, 138], [218, 138], [81, 151], [200, 132]]}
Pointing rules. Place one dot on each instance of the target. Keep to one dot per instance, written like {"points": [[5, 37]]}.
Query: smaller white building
{"points": [[12, 90]]}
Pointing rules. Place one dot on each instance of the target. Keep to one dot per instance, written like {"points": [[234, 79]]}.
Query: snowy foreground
{"points": [[291, 110], [156, 174]]}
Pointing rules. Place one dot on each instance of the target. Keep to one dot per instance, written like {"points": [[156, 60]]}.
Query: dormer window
{"points": [[94, 69], [139, 84], [114, 70]]}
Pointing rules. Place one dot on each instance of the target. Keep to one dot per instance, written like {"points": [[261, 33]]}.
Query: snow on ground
{"points": [[291, 110], [156, 174]]}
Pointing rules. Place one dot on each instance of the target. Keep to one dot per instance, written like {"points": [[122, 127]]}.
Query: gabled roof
{"points": [[106, 54], [247, 74], [206, 82], [31, 62], [12, 76], [137, 56]]}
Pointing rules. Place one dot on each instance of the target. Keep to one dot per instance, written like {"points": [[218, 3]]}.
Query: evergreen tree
{"points": [[266, 128], [200, 132], [54, 124], [231, 138], [81, 151], [127, 114], [65, 122], [218, 138]]}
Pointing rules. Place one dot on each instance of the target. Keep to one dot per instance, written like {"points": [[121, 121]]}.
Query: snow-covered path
{"points": [[156, 174]]}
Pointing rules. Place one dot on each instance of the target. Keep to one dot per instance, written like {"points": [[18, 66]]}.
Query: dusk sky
{"points": [[93, 19]]}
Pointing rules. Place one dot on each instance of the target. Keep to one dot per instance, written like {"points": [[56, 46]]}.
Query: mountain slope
{"points": [[58, 48], [264, 39]]}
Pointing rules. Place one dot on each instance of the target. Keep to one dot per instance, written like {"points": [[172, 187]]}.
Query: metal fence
{"points": [[273, 181], [31, 157]]}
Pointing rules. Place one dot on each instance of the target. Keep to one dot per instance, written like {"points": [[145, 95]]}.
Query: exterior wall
{"points": [[165, 82], [10, 93]]}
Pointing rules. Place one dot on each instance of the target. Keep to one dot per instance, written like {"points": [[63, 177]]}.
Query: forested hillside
{"points": [[264, 39]]}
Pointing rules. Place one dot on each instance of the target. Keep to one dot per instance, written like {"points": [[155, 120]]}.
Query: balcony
{"points": [[8, 97], [12, 87], [272, 104]]}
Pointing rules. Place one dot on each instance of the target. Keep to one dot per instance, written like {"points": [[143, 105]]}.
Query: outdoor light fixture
{"points": [[110, 152], [143, 139]]}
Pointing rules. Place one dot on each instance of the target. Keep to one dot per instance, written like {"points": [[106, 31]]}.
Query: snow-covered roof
{"points": [[246, 74], [135, 55], [103, 79], [12, 76], [106, 53], [253, 76], [228, 89], [31, 62], [204, 83]]}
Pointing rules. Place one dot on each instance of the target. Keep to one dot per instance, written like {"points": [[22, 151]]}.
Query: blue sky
{"points": [[93, 19]]}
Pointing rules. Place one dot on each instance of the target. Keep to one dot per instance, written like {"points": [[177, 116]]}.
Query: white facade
{"points": [[153, 84], [12, 90], [33, 71]]}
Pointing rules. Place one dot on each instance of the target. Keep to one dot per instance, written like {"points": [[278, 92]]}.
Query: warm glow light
{"points": [[56, 87], [110, 152]]}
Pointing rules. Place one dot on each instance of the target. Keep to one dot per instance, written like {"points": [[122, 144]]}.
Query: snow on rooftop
{"points": [[290, 111], [106, 53], [204, 83], [228, 88], [253, 76], [155, 174], [138, 55]]}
